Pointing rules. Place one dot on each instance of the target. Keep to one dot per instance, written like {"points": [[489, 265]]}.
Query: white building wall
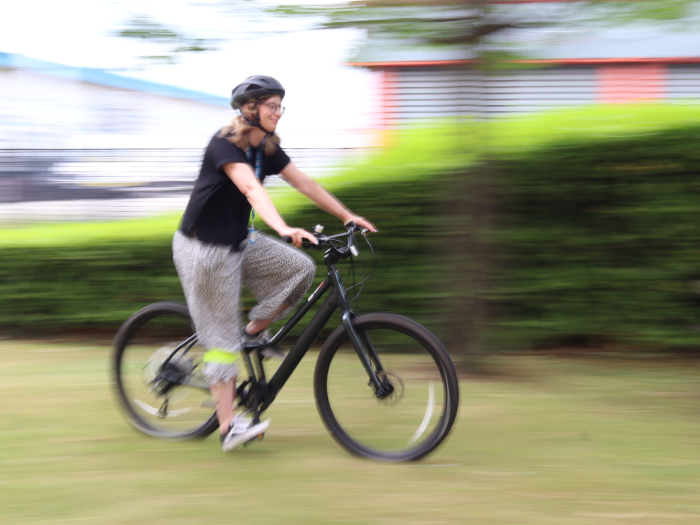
{"points": [[440, 92], [42, 111]]}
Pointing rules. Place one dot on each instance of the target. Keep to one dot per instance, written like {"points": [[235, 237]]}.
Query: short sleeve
{"points": [[277, 161], [222, 152]]}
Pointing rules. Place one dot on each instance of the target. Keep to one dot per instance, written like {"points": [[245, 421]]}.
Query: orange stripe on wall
{"points": [[549, 62], [626, 83], [390, 81]]}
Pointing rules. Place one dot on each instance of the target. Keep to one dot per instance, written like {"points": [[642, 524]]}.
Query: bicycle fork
{"points": [[368, 357], [361, 343]]}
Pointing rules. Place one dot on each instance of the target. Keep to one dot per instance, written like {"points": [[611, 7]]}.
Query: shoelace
{"points": [[240, 423]]}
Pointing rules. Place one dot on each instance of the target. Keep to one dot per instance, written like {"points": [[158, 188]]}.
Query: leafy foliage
{"points": [[467, 22], [142, 28], [599, 241]]}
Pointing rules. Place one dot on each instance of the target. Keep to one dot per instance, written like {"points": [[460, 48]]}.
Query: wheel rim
{"points": [[155, 400], [409, 419]]}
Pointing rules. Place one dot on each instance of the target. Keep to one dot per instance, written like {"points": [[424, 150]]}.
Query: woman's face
{"points": [[269, 118]]}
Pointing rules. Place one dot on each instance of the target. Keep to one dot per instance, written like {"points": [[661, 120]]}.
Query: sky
{"points": [[323, 94]]}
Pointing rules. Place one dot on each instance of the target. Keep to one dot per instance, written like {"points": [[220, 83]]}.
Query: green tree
{"points": [[469, 22], [170, 42]]}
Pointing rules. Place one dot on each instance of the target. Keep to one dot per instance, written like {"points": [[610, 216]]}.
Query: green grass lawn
{"points": [[551, 441]]}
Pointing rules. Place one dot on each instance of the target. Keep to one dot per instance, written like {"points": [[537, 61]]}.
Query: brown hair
{"points": [[238, 130]]}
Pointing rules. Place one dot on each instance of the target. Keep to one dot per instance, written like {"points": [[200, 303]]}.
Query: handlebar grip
{"points": [[305, 243]]}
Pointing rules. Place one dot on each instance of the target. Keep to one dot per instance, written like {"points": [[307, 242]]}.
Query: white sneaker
{"points": [[253, 341], [240, 431], [260, 339]]}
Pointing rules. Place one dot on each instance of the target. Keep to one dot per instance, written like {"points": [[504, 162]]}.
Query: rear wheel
{"points": [[414, 411], [161, 386]]}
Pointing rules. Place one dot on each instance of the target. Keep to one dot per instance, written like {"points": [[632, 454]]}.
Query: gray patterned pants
{"points": [[211, 276]]}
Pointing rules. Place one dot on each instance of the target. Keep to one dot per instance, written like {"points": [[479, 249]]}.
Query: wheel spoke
{"points": [[159, 412], [428, 415]]}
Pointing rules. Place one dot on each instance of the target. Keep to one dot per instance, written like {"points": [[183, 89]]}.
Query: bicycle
{"points": [[385, 386]]}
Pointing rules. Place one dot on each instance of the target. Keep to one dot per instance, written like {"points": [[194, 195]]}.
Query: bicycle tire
{"points": [[420, 415], [141, 346]]}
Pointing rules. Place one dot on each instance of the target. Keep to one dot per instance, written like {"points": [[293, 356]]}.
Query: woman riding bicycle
{"points": [[215, 252]]}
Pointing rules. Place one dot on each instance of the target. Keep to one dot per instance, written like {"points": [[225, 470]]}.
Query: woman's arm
{"points": [[321, 197], [243, 177]]}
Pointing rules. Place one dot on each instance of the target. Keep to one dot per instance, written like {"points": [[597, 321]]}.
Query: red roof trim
{"points": [[664, 60], [565, 61], [532, 1], [411, 63]]}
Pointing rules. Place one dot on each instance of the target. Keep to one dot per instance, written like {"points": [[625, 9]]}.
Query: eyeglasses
{"points": [[274, 108]]}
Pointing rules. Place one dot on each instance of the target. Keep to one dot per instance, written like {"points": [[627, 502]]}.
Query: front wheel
{"points": [[157, 366], [417, 404]]}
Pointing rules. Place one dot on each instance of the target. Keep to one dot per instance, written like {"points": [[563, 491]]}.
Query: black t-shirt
{"points": [[217, 211]]}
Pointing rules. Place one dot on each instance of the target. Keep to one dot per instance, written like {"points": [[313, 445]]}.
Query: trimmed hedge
{"points": [[86, 287], [600, 241], [97, 285]]}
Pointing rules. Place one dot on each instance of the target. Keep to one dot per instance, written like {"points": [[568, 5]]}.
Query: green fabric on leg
{"points": [[220, 357]]}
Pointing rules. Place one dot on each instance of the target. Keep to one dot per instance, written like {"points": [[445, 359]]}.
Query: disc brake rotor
{"points": [[396, 383]]}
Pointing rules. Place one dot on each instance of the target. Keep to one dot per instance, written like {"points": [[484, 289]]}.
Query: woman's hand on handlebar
{"points": [[296, 235], [361, 222]]}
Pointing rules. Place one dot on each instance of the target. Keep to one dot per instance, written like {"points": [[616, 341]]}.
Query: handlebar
{"points": [[326, 240], [337, 251]]}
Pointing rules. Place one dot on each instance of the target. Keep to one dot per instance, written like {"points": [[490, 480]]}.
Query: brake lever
{"points": [[352, 245]]}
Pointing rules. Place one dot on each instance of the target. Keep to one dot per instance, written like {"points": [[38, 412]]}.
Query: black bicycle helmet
{"points": [[255, 88]]}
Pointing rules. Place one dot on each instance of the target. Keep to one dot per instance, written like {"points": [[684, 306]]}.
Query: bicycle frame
{"points": [[262, 392], [337, 299]]}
